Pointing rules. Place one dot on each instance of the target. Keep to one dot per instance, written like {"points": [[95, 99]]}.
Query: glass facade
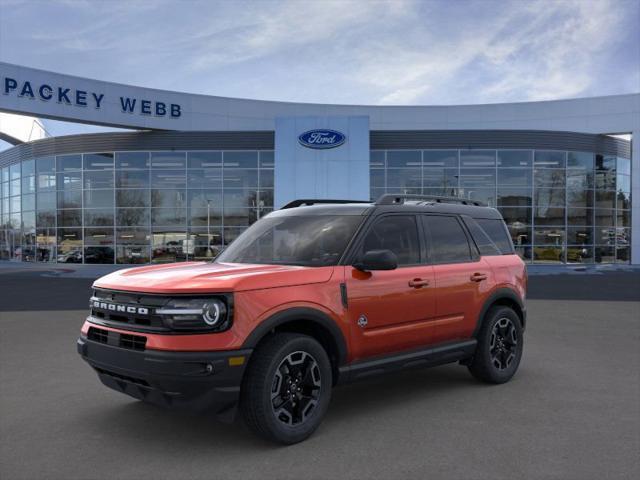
{"points": [[560, 207], [131, 207], [166, 206]]}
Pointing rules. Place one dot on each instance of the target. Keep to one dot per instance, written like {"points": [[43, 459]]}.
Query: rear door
{"points": [[462, 278], [389, 310]]}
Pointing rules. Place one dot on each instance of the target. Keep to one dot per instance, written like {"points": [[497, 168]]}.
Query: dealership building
{"points": [[194, 171]]}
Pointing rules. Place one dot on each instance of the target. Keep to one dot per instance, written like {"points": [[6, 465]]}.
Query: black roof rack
{"points": [[399, 199], [301, 202]]}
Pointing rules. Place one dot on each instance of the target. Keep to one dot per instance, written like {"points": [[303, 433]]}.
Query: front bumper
{"points": [[193, 380]]}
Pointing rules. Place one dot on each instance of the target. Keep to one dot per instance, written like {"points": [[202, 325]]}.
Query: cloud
{"points": [[338, 51]]}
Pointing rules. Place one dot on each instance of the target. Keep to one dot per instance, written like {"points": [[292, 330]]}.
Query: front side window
{"points": [[447, 241], [313, 240], [397, 233]]}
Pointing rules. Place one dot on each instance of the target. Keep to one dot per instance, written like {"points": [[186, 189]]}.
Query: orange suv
{"points": [[318, 293]]}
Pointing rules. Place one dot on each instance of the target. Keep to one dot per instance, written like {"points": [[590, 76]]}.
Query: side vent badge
{"points": [[362, 321]]}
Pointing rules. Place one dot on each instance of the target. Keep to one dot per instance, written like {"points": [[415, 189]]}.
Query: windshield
{"points": [[314, 240]]}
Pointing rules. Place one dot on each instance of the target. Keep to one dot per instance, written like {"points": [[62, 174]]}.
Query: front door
{"points": [[389, 310]]}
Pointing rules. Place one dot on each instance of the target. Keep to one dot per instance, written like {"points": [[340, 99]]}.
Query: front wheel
{"points": [[287, 388], [500, 344]]}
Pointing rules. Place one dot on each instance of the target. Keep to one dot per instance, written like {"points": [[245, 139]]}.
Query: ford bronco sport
{"points": [[318, 293]]}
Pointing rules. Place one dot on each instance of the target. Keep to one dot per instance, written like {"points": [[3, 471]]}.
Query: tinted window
{"points": [[498, 233], [398, 234], [482, 240], [448, 242]]}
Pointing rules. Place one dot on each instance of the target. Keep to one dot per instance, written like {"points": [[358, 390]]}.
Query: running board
{"points": [[426, 357]]}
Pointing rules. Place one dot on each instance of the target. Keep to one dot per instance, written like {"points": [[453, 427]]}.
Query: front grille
{"points": [[132, 318], [122, 340]]}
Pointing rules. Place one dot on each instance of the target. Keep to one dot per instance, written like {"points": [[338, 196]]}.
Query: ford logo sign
{"points": [[322, 138]]}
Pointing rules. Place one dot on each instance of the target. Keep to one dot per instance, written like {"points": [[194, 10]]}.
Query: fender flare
{"points": [[496, 296], [296, 314]]}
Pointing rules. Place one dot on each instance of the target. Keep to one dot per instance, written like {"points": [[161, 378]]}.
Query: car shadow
{"points": [[136, 421]]}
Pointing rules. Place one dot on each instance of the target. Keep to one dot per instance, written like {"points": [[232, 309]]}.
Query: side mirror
{"points": [[377, 260]]}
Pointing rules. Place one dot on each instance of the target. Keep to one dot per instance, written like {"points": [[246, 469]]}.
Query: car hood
{"points": [[204, 277]]}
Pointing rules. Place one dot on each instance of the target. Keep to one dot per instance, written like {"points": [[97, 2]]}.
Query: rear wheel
{"points": [[499, 349], [287, 388]]}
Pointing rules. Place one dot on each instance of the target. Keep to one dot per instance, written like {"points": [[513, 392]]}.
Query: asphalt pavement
{"points": [[571, 412]]}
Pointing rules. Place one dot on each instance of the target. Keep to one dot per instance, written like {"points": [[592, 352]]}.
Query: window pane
{"points": [[444, 178], [549, 236], [169, 217], [580, 254], [168, 179], [605, 235], [46, 218], [447, 241], [579, 216], [204, 159], [28, 168], [206, 178], [98, 254], [477, 177], [583, 160], [29, 202], [605, 217], [516, 197], [168, 160], [132, 217], [70, 180], [240, 159], [46, 200], [577, 197], [43, 165], [376, 159], [623, 166], [70, 199], [404, 178], [138, 160], [548, 254], [404, 158], [70, 218], [133, 236], [484, 195], [46, 181], [514, 176], [514, 158], [440, 159], [605, 163], [605, 254], [98, 161], [549, 216], [204, 244], [267, 159], [168, 198], [266, 179], [98, 217], [69, 162], [132, 198], [240, 198], [98, 179], [580, 235], [98, 199], [132, 254], [98, 236], [549, 159], [132, 179], [239, 178], [477, 158], [549, 178]]}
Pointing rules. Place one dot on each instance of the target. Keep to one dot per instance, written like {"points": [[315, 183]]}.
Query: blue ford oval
{"points": [[322, 138]]}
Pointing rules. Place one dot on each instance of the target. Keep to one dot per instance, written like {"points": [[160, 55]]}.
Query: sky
{"points": [[395, 52]]}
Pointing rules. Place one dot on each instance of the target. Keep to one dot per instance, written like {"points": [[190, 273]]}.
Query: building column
{"points": [[635, 197]]}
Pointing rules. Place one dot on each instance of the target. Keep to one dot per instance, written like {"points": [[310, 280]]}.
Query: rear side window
{"points": [[497, 232], [447, 240], [480, 237], [397, 233]]}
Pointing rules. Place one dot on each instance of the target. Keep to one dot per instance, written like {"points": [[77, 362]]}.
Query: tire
{"points": [[500, 345], [296, 368]]}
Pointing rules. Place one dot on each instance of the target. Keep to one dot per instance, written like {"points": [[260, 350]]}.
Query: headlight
{"points": [[196, 314]]}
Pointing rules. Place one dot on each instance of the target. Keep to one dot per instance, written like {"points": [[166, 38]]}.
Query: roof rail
{"points": [[301, 202], [399, 199]]}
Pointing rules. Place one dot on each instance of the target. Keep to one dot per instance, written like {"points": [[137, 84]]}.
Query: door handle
{"points": [[478, 277], [418, 283]]}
